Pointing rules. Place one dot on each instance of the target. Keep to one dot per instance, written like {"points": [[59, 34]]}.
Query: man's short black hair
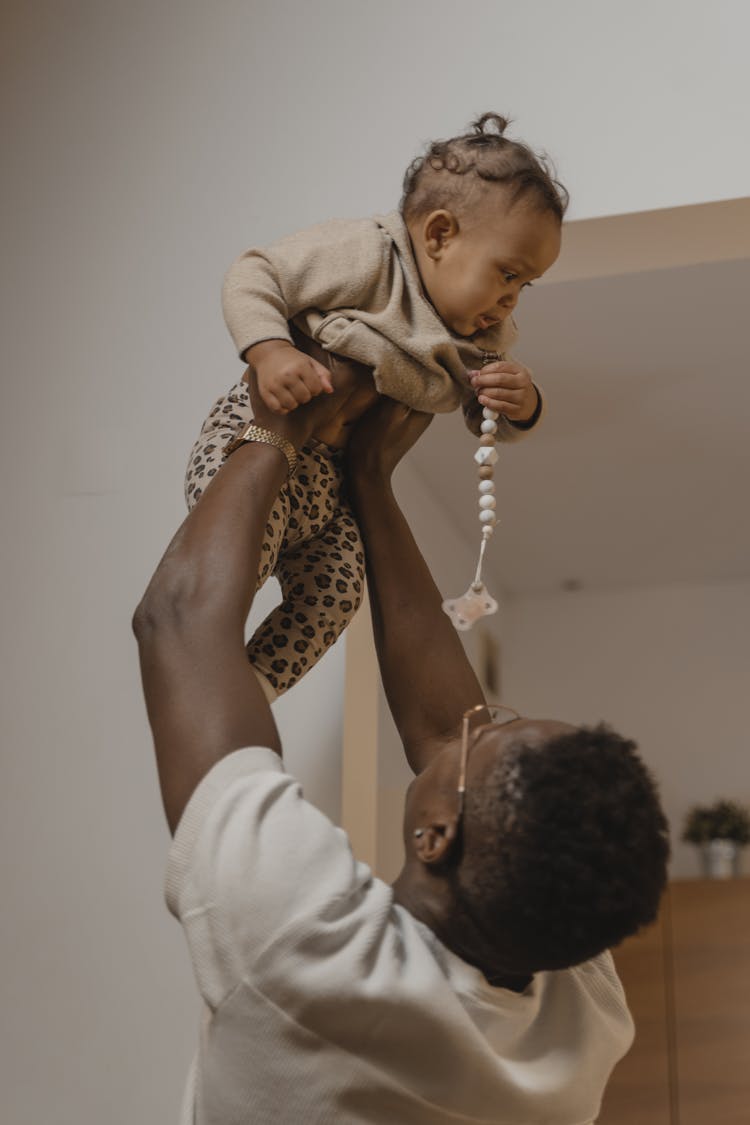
{"points": [[565, 849]]}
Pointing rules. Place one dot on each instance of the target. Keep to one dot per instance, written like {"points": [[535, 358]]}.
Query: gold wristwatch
{"points": [[266, 437]]}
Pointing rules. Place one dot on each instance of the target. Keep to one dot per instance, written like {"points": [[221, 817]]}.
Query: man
{"points": [[477, 988]]}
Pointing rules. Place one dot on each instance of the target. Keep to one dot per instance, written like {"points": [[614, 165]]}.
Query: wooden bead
{"points": [[486, 472], [487, 439]]}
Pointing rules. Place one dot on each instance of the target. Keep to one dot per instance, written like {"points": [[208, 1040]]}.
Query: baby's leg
{"points": [[321, 570], [220, 427], [322, 583], [312, 544]]}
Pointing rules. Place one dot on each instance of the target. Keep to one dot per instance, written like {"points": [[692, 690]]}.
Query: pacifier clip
{"points": [[477, 602]]}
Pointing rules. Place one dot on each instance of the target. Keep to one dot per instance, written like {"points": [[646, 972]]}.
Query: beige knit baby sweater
{"points": [[353, 286]]}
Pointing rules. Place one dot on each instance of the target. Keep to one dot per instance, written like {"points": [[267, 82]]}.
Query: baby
{"points": [[423, 297]]}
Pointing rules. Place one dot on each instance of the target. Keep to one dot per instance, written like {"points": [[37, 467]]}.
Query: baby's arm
{"points": [[335, 265]]}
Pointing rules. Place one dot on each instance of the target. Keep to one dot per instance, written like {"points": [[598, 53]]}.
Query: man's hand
{"points": [[286, 377], [507, 387], [380, 439]]}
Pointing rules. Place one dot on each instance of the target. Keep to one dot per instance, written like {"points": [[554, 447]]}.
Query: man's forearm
{"points": [[202, 697], [427, 676]]}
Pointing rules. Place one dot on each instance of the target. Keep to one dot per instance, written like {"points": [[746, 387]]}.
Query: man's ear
{"points": [[437, 230], [436, 842]]}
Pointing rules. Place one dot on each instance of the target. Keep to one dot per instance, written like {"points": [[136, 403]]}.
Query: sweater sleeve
{"points": [[338, 264]]}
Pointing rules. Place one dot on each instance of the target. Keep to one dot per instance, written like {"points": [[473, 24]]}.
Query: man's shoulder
{"points": [[593, 985], [248, 834]]}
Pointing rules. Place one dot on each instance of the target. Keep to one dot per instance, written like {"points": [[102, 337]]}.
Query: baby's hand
{"points": [[312, 417], [507, 387], [287, 377]]}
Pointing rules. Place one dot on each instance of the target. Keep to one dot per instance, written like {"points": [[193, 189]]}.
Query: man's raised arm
{"points": [[427, 676], [202, 697]]}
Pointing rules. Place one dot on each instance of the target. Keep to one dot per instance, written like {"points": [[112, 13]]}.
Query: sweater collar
{"points": [[495, 341]]}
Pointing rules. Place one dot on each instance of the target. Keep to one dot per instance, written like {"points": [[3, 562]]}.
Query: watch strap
{"points": [[265, 437]]}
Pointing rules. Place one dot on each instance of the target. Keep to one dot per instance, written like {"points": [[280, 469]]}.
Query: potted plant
{"points": [[720, 830]]}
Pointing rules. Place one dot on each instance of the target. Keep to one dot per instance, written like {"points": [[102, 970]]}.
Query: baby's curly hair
{"points": [[565, 850], [451, 173]]}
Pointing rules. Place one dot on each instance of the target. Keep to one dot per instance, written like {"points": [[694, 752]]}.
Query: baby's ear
{"points": [[438, 229]]}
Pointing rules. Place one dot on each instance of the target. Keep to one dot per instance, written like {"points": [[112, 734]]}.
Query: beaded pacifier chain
{"points": [[477, 601]]}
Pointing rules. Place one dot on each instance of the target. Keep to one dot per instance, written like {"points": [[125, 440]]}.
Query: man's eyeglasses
{"points": [[475, 719]]}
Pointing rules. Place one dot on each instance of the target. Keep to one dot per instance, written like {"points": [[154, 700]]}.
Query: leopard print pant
{"points": [[312, 546]]}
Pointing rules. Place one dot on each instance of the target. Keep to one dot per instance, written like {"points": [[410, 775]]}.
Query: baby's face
{"points": [[474, 268]]}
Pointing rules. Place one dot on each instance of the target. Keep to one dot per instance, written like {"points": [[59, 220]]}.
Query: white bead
{"points": [[487, 516], [490, 415], [486, 455], [488, 426], [486, 486], [487, 502]]}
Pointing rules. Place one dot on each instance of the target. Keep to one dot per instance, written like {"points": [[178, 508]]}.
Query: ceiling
{"points": [[640, 473]]}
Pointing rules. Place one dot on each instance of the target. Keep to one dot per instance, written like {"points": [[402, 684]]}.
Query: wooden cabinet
{"points": [[640, 1088], [687, 980]]}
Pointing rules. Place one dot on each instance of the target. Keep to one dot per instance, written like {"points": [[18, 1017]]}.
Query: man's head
{"points": [[560, 851], [484, 216]]}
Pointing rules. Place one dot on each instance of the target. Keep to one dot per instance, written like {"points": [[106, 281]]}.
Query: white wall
{"points": [[666, 666], [144, 145]]}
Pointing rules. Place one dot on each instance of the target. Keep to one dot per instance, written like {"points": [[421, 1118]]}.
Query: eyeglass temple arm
{"points": [[464, 758]]}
